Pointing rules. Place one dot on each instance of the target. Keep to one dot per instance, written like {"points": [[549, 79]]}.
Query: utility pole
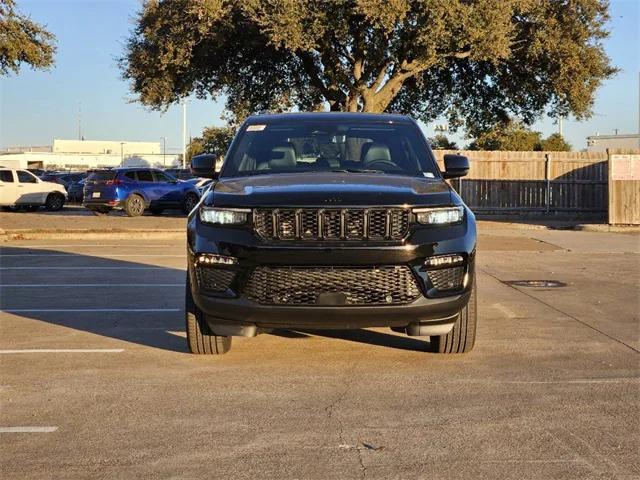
{"points": [[122, 153], [184, 133], [79, 120], [164, 151], [560, 126]]}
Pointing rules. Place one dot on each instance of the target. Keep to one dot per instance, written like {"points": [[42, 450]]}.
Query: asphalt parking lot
{"points": [[96, 382]]}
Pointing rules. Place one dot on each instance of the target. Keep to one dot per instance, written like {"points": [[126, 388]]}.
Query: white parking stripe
{"points": [[28, 429], [88, 267], [63, 350], [71, 254], [142, 244], [81, 310], [58, 285]]}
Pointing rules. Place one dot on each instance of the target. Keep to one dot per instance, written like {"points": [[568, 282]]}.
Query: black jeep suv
{"points": [[330, 220]]}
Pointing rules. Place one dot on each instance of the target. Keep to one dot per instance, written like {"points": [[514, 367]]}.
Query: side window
{"points": [[145, 176], [6, 176], [162, 177], [130, 176], [26, 177]]}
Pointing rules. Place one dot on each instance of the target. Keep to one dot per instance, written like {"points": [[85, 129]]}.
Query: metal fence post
{"points": [[547, 177]]}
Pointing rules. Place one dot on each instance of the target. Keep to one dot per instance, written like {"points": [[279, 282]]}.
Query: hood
{"points": [[327, 189]]}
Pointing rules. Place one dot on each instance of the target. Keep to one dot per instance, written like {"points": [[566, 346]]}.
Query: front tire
{"points": [[462, 336], [200, 339], [190, 201], [55, 202], [134, 206]]}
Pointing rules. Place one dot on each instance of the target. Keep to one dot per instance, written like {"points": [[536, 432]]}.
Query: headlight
{"points": [[439, 216], [224, 216]]}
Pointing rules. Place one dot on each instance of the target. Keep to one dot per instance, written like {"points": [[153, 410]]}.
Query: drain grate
{"points": [[536, 283]]}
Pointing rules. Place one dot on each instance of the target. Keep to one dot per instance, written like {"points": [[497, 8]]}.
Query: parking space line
{"points": [[28, 429], [93, 245], [74, 285], [71, 254], [85, 310], [62, 350], [83, 268]]}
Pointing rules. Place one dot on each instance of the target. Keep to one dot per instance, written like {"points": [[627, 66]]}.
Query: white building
{"points": [[600, 143], [85, 154]]}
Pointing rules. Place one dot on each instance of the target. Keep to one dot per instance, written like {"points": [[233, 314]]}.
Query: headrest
{"points": [[375, 151]]}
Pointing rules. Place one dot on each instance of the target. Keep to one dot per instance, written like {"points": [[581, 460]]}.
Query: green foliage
{"points": [[555, 143], [441, 142], [515, 136], [510, 135], [214, 140], [22, 41], [473, 62]]}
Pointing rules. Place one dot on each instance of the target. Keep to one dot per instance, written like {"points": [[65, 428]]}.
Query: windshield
{"points": [[351, 147]]}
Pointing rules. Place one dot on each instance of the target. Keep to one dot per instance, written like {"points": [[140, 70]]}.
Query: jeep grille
{"points": [[331, 223]]}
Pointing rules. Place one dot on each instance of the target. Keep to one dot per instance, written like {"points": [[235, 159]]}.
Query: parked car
{"points": [[135, 189], [63, 178], [202, 184], [179, 173], [326, 220], [74, 191], [22, 189], [38, 172]]}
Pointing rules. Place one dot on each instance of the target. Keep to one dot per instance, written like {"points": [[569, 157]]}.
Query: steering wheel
{"points": [[382, 162]]}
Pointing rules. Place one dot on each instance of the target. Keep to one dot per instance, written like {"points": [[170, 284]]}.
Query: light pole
{"points": [[164, 151], [184, 133], [122, 153]]}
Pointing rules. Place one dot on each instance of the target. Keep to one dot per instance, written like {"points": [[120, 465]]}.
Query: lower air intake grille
{"points": [[447, 278], [389, 285], [214, 279]]}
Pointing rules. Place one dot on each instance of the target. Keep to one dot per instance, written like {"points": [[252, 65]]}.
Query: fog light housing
{"points": [[205, 259], [443, 261]]}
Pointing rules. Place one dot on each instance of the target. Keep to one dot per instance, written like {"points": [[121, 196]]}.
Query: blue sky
{"points": [[36, 107]]}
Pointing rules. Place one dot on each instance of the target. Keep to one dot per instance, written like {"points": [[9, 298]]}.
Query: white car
{"points": [[21, 188]]}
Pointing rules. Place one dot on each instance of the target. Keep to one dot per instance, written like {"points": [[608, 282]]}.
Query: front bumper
{"points": [[234, 309]]}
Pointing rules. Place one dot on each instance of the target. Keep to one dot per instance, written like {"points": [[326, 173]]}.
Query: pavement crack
{"points": [[331, 416]]}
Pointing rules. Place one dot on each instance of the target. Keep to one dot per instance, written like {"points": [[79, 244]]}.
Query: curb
{"points": [[82, 234], [608, 228]]}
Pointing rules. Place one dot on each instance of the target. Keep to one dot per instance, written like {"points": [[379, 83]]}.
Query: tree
{"points": [[441, 142], [555, 143], [471, 61], [214, 140], [22, 41], [510, 135]]}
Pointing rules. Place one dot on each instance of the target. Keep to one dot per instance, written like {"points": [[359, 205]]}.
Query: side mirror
{"points": [[204, 166], [455, 166]]}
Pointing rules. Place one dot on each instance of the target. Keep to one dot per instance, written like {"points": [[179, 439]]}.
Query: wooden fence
{"points": [[624, 188], [535, 183]]}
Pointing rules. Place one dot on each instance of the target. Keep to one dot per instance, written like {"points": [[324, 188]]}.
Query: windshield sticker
{"points": [[428, 174], [256, 128]]}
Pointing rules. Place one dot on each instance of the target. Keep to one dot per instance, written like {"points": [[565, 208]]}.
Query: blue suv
{"points": [[136, 189]]}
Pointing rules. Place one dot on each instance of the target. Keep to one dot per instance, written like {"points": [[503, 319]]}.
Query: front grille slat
{"points": [[377, 224], [387, 285]]}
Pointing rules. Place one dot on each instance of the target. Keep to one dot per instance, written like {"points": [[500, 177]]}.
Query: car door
{"points": [[147, 185], [167, 187], [8, 188], [30, 190]]}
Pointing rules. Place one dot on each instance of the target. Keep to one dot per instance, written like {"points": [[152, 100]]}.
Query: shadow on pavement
{"points": [[100, 295]]}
